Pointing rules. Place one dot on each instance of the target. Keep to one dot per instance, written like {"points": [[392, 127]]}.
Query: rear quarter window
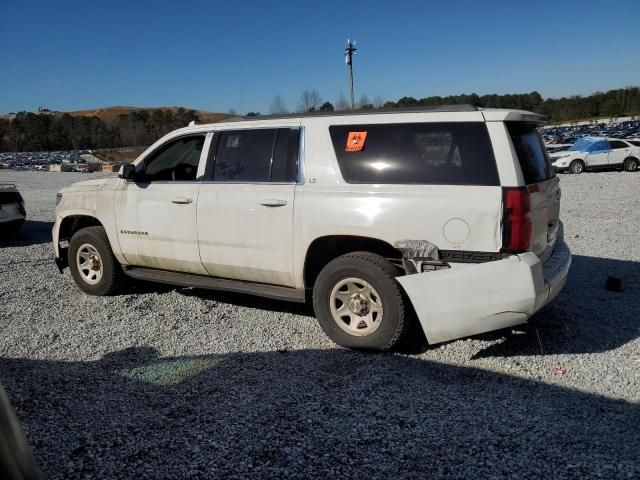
{"points": [[532, 156], [416, 153]]}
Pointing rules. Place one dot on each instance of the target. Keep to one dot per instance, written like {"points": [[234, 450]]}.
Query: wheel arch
{"points": [[72, 223], [68, 226], [578, 160], [328, 247]]}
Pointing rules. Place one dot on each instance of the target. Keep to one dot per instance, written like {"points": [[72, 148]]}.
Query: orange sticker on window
{"points": [[355, 141]]}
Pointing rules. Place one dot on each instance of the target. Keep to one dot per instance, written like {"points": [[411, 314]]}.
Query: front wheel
{"points": [[359, 304], [630, 165], [577, 166], [92, 263]]}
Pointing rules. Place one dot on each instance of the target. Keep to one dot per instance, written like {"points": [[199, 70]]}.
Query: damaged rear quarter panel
{"points": [[394, 213]]}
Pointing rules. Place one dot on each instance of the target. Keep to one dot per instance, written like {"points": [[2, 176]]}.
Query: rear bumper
{"points": [[475, 298]]}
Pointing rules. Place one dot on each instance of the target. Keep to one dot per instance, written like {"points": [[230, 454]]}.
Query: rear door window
{"points": [[534, 162], [257, 155], [415, 153]]}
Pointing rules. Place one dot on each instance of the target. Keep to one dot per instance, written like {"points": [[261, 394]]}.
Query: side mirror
{"points": [[128, 171]]}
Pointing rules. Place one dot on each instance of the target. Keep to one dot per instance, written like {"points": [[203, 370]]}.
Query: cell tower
{"points": [[349, 52]]}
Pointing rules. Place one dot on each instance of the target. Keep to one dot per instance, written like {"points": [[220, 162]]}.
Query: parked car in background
{"points": [[558, 147], [569, 134], [451, 213], [597, 153], [12, 211]]}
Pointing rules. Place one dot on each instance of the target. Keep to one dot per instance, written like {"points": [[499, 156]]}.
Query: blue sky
{"points": [[212, 55]]}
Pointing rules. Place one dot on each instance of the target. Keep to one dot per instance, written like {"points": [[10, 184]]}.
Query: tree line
{"points": [[613, 103], [45, 131], [27, 132]]}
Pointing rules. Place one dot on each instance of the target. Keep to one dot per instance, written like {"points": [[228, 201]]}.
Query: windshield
{"points": [[589, 144], [581, 145]]}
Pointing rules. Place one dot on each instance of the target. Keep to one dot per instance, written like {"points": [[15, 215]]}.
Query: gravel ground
{"points": [[179, 383]]}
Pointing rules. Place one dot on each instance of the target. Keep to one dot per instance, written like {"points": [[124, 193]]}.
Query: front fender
{"points": [[98, 205]]}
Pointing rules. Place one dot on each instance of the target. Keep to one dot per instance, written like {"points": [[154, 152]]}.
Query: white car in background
{"points": [[595, 153], [12, 212]]}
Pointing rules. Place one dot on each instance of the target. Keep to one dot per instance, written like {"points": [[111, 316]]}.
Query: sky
{"points": [[217, 56]]}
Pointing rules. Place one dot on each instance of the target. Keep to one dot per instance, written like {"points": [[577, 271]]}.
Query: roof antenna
{"points": [[191, 123]]}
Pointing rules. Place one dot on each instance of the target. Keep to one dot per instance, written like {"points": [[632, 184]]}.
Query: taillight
{"points": [[517, 224]]}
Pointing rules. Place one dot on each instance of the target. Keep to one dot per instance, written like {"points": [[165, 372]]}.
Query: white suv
{"points": [[447, 216], [597, 153]]}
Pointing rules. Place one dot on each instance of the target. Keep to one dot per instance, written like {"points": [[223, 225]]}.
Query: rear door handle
{"points": [[272, 202], [181, 200]]}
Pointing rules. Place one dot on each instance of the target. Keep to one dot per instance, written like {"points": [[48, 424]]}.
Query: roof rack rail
{"points": [[440, 108]]}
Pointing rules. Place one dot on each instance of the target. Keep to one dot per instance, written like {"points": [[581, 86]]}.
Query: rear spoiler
{"points": [[512, 116]]}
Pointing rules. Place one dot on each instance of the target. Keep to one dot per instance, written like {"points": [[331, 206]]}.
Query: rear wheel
{"points": [[92, 263], [359, 304], [630, 164], [577, 166]]}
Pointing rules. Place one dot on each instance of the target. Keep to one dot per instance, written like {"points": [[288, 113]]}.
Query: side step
{"points": [[214, 283]]}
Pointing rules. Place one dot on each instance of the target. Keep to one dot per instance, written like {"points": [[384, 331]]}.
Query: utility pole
{"points": [[349, 52]]}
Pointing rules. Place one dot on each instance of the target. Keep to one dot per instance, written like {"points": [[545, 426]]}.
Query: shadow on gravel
{"points": [[33, 232], [251, 301], [584, 318], [311, 414]]}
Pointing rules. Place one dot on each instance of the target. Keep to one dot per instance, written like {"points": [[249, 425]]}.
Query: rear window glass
{"points": [[534, 162], [415, 153]]}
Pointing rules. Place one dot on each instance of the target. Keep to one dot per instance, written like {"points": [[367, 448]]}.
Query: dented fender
{"points": [[468, 299]]}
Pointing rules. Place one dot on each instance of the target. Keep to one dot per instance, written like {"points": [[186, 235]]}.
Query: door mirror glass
{"points": [[128, 171]]}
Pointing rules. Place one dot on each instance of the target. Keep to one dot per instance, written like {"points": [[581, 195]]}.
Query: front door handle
{"points": [[272, 202], [181, 200]]}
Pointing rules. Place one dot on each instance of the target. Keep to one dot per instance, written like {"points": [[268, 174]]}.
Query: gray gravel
{"points": [[178, 383]]}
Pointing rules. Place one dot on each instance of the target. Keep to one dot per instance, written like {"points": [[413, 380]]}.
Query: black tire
{"points": [[576, 167], [397, 319], [112, 278], [630, 164]]}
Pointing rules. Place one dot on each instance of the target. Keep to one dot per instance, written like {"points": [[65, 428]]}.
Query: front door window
{"points": [[176, 161]]}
